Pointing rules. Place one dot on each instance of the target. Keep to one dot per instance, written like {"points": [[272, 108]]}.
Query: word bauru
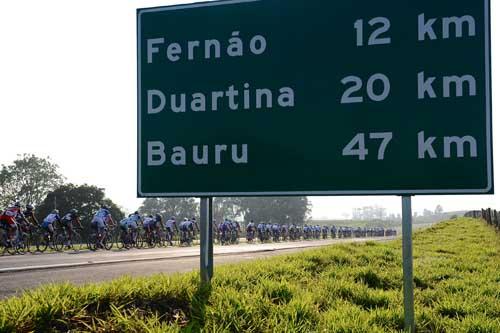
{"points": [[158, 155], [231, 99]]}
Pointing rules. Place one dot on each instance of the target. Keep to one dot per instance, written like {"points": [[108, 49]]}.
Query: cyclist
{"points": [[170, 226], [49, 220], [8, 220], [148, 225], [276, 232], [196, 228], [133, 223], [261, 230], [227, 228], [186, 228], [157, 223], [67, 222], [99, 223], [250, 230], [124, 224], [284, 232], [235, 226], [333, 231], [29, 214]]}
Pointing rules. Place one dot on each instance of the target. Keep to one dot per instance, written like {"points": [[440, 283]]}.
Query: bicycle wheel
{"points": [[120, 241], [139, 242], [108, 241], [76, 242], [58, 241], [41, 242], [92, 242], [10, 246], [22, 244], [150, 241]]}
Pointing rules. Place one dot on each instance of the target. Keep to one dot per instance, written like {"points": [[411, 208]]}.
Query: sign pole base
{"points": [[408, 266], [206, 240]]}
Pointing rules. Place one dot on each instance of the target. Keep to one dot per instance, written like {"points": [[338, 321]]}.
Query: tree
{"points": [[427, 213], [28, 180], [178, 207], [275, 209], [87, 199], [439, 210], [226, 208]]}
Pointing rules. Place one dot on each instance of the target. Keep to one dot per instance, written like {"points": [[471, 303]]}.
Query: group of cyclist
{"points": [[228, 232], [15, 221], [155, 228]]}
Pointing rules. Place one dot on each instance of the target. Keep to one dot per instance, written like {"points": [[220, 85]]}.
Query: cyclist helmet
{"points": [[29, 207], [17, 204], [185, 219], [55, 211], [104, 206], [158, 216], [74, 211], [136, 213]]}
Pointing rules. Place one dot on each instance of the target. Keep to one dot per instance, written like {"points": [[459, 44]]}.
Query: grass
{"points": [[344, 288]]}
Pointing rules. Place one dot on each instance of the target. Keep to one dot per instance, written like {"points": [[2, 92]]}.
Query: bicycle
{"points": [[75, 243], [44, 240], [186, 238], [107, 243], [169, 238]]}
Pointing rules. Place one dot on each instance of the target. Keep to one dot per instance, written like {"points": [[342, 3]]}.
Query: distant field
{"points": [[387, 223], [342, 288]]}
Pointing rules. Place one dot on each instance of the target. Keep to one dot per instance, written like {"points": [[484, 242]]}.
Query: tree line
{"points": [[38, 181]]}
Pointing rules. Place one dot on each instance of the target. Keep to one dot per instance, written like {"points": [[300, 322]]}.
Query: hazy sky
{"points": [[68, 90]]}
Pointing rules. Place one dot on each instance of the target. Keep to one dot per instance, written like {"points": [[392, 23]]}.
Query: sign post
{"points": [[408, 265], [206, 240]]}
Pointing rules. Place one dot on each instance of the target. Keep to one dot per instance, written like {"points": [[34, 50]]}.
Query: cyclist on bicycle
{"points": [[68, 222], [148, 225], [48, 222], [170, 226], [186, 228], [8, 220], [99, 223], [124, 224], [196, 228], [29, 214], [250, 230], [133, 223]]}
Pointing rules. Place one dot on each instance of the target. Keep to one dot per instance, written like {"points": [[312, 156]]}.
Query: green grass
{"points": [[344, 288]]}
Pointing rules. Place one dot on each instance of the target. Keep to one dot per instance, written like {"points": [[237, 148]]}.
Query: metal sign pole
{"points": [[206, 242], [408, 266]]}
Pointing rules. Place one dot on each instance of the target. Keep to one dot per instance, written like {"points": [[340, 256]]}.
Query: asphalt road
{"points": [[18, 273]]}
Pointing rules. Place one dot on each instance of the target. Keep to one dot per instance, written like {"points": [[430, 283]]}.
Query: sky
{"points": [[68, 91]]}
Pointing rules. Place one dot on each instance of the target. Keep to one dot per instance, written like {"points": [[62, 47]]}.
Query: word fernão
{"points": [[208, 49]]}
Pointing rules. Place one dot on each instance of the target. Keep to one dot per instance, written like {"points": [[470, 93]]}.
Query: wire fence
{"points": [[491, 216]]}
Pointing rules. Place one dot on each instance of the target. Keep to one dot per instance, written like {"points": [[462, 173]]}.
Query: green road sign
{"points": [[314, 97]]}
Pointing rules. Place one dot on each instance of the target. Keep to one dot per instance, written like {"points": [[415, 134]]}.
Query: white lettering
{"points": [[152, 49], [151, 95], [156, 153], [425, 146]]}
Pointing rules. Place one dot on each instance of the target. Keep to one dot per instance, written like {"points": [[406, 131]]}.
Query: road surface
{"points": [[18, 273]]}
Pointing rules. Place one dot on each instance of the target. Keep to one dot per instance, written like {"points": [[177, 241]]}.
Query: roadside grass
{"points": [[341, 288]]}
